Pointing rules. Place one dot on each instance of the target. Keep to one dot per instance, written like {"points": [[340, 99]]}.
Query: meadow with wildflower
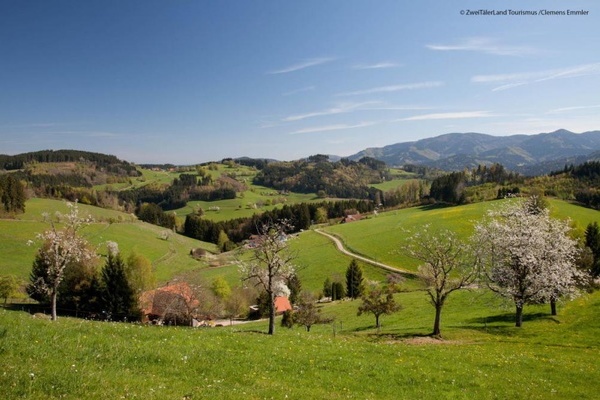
{"points": [[482, 356]]}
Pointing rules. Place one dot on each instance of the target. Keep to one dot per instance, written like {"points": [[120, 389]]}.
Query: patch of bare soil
{"points": [[428, 340]]}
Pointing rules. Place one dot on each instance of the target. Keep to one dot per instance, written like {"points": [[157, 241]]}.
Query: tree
{"points": [[12, 194], [308, 314], [378, 300], [138, 270], [592, 240], [221, 288], [449, 265], [236, 305], [60, 248], [527, 256], [80, 288], [327, 287], [295, 285], [354, 280], [337, 291], [271, 263], [118, 297], [9, 286]]}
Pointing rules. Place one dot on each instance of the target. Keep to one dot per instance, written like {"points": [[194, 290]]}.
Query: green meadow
{"points": [[169, 257], [482, 356], [381, 237]]}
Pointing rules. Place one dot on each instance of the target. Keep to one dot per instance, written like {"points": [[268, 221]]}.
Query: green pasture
{"points": [[255, 200], [482, 356], [169, 257], [381, 237]]}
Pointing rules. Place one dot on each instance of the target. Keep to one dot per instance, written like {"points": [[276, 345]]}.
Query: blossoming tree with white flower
{"points": [[528, 257], [60, 248]]}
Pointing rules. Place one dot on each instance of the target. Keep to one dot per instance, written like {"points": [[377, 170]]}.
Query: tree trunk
{"points": [[519, 316], [272, 314], [553, 306], [377, 322], [53, 305], [436, 323]]}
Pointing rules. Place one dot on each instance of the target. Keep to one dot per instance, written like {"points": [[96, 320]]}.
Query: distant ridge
{"points": [[542, 152]]}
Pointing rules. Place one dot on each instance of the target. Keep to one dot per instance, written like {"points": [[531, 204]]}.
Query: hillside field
{"points": [[168, 257], [482, 356]]}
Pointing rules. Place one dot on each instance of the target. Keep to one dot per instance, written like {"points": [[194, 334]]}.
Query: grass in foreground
{"points": [[74, 359]]}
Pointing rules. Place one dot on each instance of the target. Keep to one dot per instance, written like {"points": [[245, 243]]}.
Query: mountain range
{"points": [[527, 154]]}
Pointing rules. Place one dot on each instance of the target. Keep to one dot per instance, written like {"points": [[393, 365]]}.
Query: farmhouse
{"points": [[172, 304], [352, 218]]}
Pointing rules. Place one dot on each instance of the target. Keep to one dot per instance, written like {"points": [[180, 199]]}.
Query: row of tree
{"points": [[299, 216], [12, 194]]}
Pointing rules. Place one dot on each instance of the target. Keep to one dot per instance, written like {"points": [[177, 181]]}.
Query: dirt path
{"points": [[340, 247]]}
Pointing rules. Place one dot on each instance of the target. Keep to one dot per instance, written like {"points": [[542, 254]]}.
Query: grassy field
{"points": [[482, 356], [169, 257], [381, 237]]}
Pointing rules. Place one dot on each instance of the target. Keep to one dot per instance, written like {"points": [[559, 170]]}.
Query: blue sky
{"points": [[192, 81]]}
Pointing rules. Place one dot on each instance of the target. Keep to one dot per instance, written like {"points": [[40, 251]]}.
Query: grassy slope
{"points": [[169, 257], [381, 237], [483, 357]]}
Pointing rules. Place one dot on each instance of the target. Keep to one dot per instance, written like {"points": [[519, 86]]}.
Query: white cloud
{"points": [[301, 65], [450, 115], [339, 109], [394, 88], [509, 81], [381, 65], [485, 45], [575, 108], [326, 128]]}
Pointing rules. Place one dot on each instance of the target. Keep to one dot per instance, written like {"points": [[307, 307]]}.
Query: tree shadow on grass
{"points": [[503, 324], [395, 337], [436, 206]]}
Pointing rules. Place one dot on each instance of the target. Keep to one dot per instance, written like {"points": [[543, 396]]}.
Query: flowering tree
{"points": [[449, 265], [60, 248], [271, 264], [527, 256]]}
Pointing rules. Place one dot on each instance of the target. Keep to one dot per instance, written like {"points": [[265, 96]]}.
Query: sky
{"points": [[186, 82]]}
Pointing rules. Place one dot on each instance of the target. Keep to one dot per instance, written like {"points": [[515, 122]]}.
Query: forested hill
{"points": [[108, 162], [344, 178]]}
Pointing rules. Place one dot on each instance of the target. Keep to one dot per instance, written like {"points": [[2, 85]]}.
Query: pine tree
{"points": [[592, 240], [117, 295], [354, 280]]}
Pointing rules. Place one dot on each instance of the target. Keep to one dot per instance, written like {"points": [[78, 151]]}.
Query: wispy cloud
{"points": [[575, 108], [301, 65], [393, 88], [450, 115], [339, 109], [487, 46], [336, 127], [350, 107], [381, 65], [509, 81], [300, 90]]}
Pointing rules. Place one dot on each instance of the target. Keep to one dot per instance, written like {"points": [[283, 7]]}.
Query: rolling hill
{"points": [[522, 153]]}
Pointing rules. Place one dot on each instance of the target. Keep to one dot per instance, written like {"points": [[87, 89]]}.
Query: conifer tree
{"points": [[354, 280]]}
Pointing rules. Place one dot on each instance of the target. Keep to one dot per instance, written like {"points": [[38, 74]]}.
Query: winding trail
{"points": [[341, 248]]}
